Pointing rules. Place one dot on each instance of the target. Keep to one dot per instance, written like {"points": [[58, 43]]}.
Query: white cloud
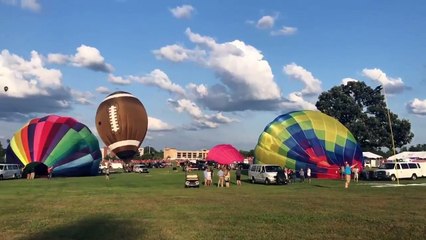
{"points": [[284, 31], [118, 80], [296, 102], [417, 106], [265, 22], [199, 91], [312, 86], [82, 97], [246, 80], [57, 58], [201, 120], [240, 67], [32, 5], [103, 90], [155, 124], [86, 57], [390, 85], [27, 78], [30, 82], [346, 80], [185, 105], [177, 53], [160, 79], [184, 11]]}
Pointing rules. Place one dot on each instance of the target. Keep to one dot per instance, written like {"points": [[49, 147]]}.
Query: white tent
{"points": [[409, 156], [371, 155]]}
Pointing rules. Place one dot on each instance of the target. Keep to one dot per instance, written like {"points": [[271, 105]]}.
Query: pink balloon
{"points": [[224, 154]]}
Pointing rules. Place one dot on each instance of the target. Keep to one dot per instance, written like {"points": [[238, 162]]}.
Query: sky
{"points": [[207, 72]]}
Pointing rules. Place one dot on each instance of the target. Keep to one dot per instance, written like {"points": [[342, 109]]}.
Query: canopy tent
{"points": [[409, 156], [371, 155]]}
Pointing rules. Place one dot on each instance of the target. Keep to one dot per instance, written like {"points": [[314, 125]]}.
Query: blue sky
{"points": [[208, 72]]}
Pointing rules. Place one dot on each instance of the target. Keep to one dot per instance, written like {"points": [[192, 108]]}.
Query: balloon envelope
{"points": [[303, 139], [122, 123], [224, 154], [63, 143]]}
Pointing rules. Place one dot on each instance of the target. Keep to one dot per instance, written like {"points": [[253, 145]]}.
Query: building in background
{"points": [[175, 154]]}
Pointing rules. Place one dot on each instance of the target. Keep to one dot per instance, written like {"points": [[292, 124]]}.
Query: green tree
{"points": [[418, 147], [2, 153], [363, 111]]}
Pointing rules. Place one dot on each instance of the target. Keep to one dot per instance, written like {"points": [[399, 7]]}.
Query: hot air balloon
{"points": [[122, 122], [62, 143], [224, 154], [6, 88], [303, 139]]}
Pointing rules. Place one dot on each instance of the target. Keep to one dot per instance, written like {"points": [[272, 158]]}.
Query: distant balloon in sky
{"points": [[303, 139], [6, 88], [122, 123], [63, 143]]}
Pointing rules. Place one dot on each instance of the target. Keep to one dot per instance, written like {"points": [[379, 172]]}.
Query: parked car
{"points": [[9, 171], [140, 168], [192, 181], [264, 173]]}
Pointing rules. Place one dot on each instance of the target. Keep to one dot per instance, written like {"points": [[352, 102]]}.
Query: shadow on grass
{"points": [[97, 227], [321, 186]]}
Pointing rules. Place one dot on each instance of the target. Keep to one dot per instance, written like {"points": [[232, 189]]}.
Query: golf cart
{"points": [[192, 181]]}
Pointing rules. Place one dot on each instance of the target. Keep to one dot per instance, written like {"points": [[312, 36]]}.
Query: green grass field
{"points": [[157, 206]]}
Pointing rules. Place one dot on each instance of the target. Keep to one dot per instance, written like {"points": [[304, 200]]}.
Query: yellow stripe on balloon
{"points": [[16, 144]]}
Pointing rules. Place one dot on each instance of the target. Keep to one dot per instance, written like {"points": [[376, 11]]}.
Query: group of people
{"points": [[290, 175], [223, 174]]}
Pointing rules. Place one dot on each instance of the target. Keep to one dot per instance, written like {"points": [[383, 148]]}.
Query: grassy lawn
{"points": [[157, 206]]}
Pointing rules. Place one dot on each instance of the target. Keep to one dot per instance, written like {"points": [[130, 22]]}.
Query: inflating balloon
{"points": [[122, 122], [224, 154], [62, 143], [303, 139]]}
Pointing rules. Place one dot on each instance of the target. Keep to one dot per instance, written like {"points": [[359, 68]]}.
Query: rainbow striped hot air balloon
{"points": [[303, 139], [63, 143]]}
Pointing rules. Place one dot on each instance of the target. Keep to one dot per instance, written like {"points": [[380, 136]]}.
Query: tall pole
{"points": [[391, 132]]}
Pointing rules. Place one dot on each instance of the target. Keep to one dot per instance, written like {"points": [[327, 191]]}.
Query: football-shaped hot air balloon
{"points": [[122, 122], [62, 143], [303, 139]]}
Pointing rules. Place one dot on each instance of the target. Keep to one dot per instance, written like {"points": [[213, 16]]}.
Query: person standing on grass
{"points": [[356, 173], [107, 171], [348, 171], [220, 174], [206, 171], [49, 173], [227, 176], [238, 175], [302, 175], [209, 177], [286, 175], [308, 174]]}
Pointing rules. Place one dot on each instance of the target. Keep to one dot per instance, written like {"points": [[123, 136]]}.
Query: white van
{"points": [[9, 171], [263, 173], [401, 170]]}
